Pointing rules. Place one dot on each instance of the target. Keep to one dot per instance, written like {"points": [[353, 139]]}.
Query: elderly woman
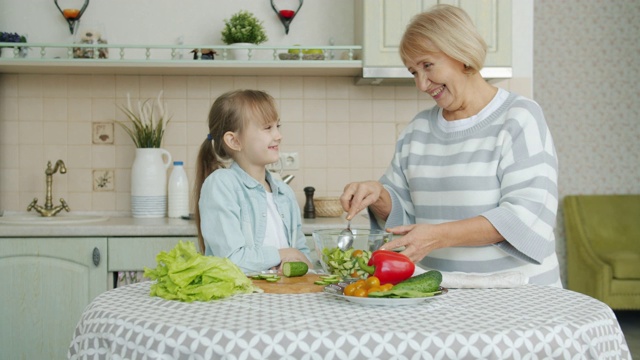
{"points": [[472, 186]]}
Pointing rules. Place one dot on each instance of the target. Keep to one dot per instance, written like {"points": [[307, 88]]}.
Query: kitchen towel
{"points": [[462, 280]]}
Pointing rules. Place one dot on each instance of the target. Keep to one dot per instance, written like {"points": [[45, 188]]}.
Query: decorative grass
{"points": [[146, 128]]}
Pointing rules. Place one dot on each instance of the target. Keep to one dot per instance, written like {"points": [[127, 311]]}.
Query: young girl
{"points": [[243, 213]]}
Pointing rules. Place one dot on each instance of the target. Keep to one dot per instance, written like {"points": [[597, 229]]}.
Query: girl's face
{"points": [[260, 142], [441, 77]]}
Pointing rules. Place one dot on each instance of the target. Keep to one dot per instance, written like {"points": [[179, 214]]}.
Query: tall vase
{"points": [[149, 183]]}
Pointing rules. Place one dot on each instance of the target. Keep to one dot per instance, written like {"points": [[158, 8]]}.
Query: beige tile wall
{"points": [[341, 132]]}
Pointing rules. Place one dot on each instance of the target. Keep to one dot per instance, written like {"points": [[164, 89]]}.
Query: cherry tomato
{"points": [[350, 289], [356, 253], [372, 281], [354, 274], [386, 287], [361, 292], [360, 284], [374, 288]]}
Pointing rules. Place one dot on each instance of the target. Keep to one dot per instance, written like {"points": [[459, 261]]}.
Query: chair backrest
{"points": [[610, 222]]}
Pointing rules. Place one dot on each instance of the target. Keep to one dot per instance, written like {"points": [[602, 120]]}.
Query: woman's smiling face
{"points": [[440, 76]]}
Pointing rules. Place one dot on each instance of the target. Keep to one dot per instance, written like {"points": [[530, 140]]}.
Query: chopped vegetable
{"points": [[399, 293], [344, 263], [184, 274]]}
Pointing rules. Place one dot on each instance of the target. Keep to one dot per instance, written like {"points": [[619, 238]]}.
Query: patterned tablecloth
{"points": [[529, 322]]}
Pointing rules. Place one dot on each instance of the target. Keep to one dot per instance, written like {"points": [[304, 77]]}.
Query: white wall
{"points": [[163, 21], [522, 44]]}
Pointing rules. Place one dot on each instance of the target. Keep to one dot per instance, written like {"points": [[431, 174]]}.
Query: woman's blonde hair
{"points": [[230, 112], [451, 31]]}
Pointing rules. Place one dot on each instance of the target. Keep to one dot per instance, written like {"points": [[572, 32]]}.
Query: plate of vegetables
{"points": [[370, 291]]}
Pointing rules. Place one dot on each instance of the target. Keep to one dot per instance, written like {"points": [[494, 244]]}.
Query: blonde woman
{"points": [[473, 184]]}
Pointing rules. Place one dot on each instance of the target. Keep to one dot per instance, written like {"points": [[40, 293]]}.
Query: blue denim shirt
{"points": [[233, 218]]}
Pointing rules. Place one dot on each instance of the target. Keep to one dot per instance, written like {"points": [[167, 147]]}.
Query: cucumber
{"points": [[295, 268], [427, 282]]}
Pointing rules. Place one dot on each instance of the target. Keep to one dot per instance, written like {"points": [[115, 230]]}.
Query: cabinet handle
{"points": [[96, 256]]}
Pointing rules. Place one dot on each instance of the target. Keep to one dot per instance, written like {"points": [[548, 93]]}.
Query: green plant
{"points": [[7, 37], [147, 127], [243, 27]]}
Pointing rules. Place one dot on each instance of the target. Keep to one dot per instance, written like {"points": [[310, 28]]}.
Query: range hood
{"points": [[401, 76]]}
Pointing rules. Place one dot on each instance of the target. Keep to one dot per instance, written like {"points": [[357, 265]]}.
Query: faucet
{"points": [[287, 178], [49, 210]]}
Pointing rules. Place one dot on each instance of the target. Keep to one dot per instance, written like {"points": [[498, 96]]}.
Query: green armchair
{"points": [[603, 248]]}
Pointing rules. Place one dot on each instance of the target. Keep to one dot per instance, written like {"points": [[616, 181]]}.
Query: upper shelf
{"points": [[44, 58]]}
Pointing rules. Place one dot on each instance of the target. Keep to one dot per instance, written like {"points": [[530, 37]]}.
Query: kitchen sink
{"points": [[60, 219]]}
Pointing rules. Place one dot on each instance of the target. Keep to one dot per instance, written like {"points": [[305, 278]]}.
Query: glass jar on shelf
{"points": [[90, 34]]}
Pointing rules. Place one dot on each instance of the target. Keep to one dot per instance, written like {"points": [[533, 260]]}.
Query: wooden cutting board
{"points": [[292, 285]]}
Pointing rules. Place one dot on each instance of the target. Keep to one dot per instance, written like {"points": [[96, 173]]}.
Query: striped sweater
{"points": [[503, 168]]}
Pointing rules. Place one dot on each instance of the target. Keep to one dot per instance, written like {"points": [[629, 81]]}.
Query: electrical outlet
{"points": [[290, 161]]}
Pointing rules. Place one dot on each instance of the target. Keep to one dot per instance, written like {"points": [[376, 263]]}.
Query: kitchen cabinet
{"points": [[46, 284], [136, 253], [381, 23]]}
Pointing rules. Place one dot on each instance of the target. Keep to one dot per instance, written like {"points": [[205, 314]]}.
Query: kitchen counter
{"points": [[129, 226]]}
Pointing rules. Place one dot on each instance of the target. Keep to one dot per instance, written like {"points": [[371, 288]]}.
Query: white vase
{"points": [[149, 183], [240, 54], [8, 52]]}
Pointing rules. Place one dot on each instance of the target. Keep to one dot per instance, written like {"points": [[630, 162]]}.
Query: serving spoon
{"points": [[345, 240]]}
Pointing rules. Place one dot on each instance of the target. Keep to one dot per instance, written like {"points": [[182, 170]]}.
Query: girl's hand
{"points": [[291, 255]]}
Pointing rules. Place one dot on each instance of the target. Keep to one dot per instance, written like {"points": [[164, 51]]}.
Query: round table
{"points": [[525, 322]]}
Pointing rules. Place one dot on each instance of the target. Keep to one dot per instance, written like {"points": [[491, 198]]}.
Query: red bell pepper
{"points": [[388, 266]]}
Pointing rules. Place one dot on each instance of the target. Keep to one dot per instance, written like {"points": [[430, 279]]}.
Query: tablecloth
{"points": [[529, 322]]}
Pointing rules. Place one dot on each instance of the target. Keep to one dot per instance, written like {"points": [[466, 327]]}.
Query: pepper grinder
{"points": [[309, 208]]}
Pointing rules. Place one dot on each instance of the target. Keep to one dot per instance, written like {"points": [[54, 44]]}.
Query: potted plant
{"points": [[7, 37], [243, 28], [149, 169]]}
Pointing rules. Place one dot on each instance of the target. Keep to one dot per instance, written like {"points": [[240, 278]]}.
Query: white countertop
{"points": [[118, 225]]}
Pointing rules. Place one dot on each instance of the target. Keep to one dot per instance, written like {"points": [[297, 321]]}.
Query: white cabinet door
{"points": [[383, 22], [46, 284]]}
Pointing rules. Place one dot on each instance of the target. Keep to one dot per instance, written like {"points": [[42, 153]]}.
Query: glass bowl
{"points": [[343, 263]]}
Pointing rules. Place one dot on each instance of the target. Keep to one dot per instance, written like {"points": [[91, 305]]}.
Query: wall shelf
{"points": [[178, 60]]}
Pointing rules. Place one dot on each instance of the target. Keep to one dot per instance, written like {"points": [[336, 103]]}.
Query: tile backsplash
{"points": [[341, 132]]}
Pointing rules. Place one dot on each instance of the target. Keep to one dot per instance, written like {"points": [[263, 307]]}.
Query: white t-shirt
{"points": [[464, 124], [274, 235]]}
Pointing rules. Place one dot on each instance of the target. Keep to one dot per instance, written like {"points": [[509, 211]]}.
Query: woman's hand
{"points": [[418, 239], [357, 196], [291, 255], [421, 239]]}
